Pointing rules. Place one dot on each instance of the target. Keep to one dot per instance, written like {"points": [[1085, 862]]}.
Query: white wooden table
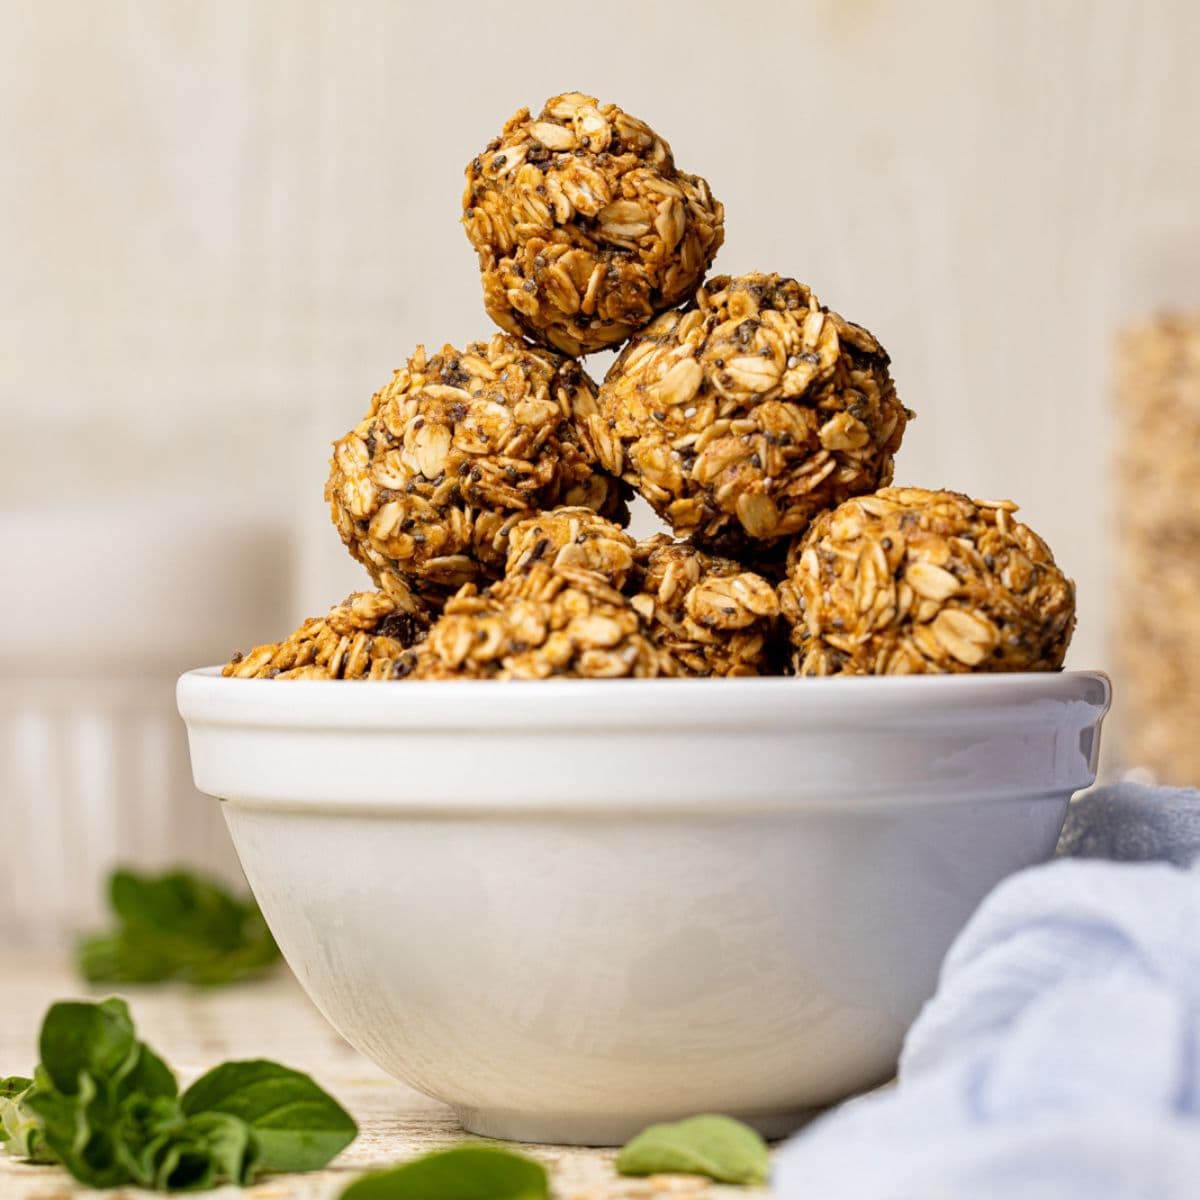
{"points": [[194, 1030]]}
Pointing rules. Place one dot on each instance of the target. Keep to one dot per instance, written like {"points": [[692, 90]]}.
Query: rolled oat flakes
{"points": [[455, 450], [357, 639], [543, 622], [742, 415], [1157, 556], [572, 537], [710, 613], [909, 581], [584, 227]]}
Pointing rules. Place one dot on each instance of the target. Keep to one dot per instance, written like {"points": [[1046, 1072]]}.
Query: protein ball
{"points": [[454, 451], [358, 639], [710, 613], [910, 581], [747, 412], [571, 537], [546, 621], [584, 226]]}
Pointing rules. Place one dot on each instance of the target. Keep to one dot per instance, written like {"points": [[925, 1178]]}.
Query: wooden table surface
{"points": [[195, 1030]]}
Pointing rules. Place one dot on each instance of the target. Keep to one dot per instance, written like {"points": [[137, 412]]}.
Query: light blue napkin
{"points": [[1060, 1058]]}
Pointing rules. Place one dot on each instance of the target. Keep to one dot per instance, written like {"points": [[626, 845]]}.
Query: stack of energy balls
{"points": [[485, 490]]}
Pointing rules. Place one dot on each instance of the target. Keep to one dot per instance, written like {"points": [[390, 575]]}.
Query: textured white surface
{"points": [[196, 1030], [92, 778]]}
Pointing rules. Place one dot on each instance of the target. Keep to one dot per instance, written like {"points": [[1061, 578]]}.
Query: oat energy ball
{"points": [[358, 639], [455, 450], [910, 581], [571, 537], [545, 621], [744, 414], [584, 226], [712, 615]]}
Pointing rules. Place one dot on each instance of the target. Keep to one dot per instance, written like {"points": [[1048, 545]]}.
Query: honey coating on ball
{"points": [[710, 613], [910, 581], [744, 414], [543, 622], [358, 639], [456, 449], [584, 227]]}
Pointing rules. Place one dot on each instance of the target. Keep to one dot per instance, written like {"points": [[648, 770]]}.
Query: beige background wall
{"points": [[222, 224]]}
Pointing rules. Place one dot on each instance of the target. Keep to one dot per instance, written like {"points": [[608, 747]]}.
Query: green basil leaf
{"points": [[148, 1076], [176, 902], [177, 926], [13, 1085], [716, 1146], [21, 1132], [107, 1108], [297, 1126], [93, 1067], [142, 1127], [99, 1039], [10, 1093], [79, 1037], [162, 1149], [116, 958], [208, 1150], [215, 1148], [78, 1128], [462, 1173]]}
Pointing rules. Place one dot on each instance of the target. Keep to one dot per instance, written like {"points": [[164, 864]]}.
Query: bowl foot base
{"points": [[602, 1129]]}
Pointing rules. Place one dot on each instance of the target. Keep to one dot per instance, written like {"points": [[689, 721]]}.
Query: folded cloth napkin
{"points": [[1134, 823], [1060, 1057]]}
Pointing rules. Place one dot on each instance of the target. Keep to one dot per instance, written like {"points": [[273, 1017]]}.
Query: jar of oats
{"points": [[1157, 575]]}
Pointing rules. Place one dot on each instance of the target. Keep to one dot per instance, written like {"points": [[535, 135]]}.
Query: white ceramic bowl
{"points": [[571, 908]]}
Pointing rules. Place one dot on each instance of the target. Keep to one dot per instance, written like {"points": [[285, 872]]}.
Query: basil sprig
{"points": [[20, 1130], [297, 1127], [108, 1109], [461, 1173], [176, 926], [718, 1147]]}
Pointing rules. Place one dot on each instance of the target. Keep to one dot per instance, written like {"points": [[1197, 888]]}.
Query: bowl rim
{"points": [[205, 697]]}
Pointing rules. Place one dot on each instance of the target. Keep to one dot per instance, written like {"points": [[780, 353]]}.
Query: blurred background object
{"points": [[112, 588], [1157, 642], [223, 224]]}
